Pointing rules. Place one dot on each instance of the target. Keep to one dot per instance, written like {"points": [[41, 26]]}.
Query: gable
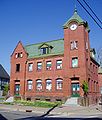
{"points": [[19, 48], [44, 45]]}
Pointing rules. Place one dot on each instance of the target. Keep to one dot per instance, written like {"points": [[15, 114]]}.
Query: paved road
{"points": [[13, 115], [18, 112], [19, 115]]}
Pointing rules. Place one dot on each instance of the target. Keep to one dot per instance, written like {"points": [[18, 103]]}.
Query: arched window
{"points": [[59, 84], [29, 84], [48, 84], [39, 84]]}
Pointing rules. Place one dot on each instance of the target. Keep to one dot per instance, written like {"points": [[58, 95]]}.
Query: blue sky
{"points": [[34, 21]]}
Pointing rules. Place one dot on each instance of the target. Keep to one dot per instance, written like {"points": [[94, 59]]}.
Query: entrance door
{"points": [[75, 89], [17, 89]]}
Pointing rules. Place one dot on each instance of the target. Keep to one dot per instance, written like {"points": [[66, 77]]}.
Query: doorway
{"points": [[17, 89], [75, 88]]}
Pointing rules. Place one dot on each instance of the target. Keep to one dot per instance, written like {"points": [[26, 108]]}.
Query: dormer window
{"points": [[44, 50], [92, 52]]}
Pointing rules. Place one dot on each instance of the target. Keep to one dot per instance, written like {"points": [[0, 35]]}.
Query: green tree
{"points": [[85, 88], [6, 89]]}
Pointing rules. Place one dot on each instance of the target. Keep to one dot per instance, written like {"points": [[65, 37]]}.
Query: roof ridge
{"points": [[44, 42]]}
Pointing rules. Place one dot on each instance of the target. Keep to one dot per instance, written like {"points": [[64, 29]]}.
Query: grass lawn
{"points": [[44, 104]]}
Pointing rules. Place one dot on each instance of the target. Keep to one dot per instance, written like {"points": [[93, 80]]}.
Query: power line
{"points": [[89, 14], [92, 11]]}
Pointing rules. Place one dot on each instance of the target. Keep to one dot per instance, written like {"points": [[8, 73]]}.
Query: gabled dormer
{"points": [[93, 53], [45, 48]]}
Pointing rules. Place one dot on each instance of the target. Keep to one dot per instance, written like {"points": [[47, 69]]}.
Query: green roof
{"points": [[57, 48]]}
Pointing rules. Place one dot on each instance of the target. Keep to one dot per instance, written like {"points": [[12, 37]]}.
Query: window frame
{"points": [[47, 65], [29, 85], [48, 86], [59, 80], [39, 81], [44, 50], [30, 69], [18, 67], [38, 66], [59, 65], [19, 55], [74, 45], [73, 62]]}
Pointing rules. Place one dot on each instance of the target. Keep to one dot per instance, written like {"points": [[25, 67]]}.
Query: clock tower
{"points": [[76, 54]]}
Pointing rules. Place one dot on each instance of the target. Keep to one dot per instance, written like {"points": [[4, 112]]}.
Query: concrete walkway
{"points": [[62, 111]]}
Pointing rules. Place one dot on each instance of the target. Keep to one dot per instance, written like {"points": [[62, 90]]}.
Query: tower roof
{"points": [[76, 18]]}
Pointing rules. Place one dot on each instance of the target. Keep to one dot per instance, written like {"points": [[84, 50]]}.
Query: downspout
{"points": [[24, 81]]}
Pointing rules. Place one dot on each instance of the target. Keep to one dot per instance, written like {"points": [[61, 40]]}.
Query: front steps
{"points": [[71, 101], [10, 99]]}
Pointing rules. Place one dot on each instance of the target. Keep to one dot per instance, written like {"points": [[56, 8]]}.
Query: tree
{"points": [[6, 89], [85, 90]]}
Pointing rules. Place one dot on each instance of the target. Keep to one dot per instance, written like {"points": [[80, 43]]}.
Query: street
{"points": [[19, 115]]}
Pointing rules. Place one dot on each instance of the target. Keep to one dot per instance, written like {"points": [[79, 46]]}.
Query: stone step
{"points": [[71, 101], [10, 99]]}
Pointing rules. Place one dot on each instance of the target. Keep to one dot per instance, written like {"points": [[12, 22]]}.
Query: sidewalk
{"points": [[72, 111], [64, 111]]}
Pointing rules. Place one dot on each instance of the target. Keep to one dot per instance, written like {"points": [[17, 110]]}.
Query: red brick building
{"points": [[55, 70], [100, 79]]}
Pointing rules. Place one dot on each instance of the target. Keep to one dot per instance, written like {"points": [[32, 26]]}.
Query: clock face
{"points": [[73, 27]]}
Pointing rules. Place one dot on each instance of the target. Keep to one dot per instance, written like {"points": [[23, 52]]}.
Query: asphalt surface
{"points": [[18, 115], [16, 112]]}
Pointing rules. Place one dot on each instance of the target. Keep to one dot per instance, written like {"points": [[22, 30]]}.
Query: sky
{"points": [[34, 21]]}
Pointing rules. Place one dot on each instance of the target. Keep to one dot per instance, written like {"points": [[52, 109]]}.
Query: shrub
{"points": [[37, 103]]}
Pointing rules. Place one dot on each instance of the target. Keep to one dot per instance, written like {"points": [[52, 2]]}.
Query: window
{"points": [[74, 45], [39, 66], [48, 84], [16, 55], [75, 62], [19, 55], [59, 64], [39, 85], [17, 67], [44, 50], [17, 89], [48, 65], [59, 83], [30, 67], [29, 83], [86, 45]]}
